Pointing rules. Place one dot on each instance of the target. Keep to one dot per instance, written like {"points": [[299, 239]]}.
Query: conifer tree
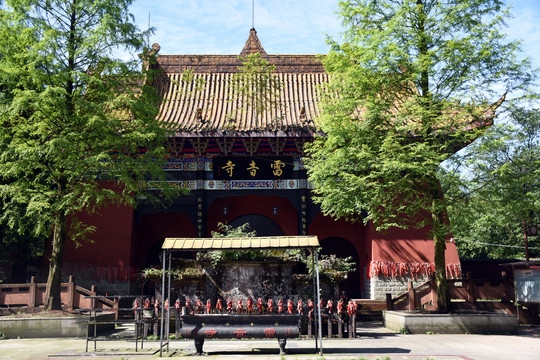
{"points": [[73, 118], [412, 82]]}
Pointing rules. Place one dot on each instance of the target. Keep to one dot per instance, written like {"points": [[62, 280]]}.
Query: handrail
{"points": [[465, 290], [32, 294], [104, 300]]}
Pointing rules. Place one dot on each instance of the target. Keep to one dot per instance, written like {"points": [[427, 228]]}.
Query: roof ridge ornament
{"points": [[253, 45]]}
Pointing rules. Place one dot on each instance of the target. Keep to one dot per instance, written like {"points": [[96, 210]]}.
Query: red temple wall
{"points": [[120, 242], [111, 240], [326, 227], [153, 229], [411, 246]]}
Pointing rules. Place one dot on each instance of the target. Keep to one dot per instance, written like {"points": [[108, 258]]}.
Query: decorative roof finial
{"points": [[253, 45]]}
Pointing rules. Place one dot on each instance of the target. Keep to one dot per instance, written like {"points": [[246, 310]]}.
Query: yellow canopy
{"points": [[239, 243]]}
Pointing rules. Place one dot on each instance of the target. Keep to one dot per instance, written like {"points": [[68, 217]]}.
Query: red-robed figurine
{"points": [[330, 306], [270, 306], [136, 305], [351, 308], [289, 306], [311, 307], [199, 306], [219, 306], [239, 307], [280, 307], [340, 306], [300, 307]]}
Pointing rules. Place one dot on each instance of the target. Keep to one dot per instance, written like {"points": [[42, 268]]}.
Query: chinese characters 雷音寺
{"points": [[277, 167], [229, 167], [253, 168]]}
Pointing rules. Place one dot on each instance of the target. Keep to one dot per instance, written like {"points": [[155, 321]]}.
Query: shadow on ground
{"points": [[293, 351]]}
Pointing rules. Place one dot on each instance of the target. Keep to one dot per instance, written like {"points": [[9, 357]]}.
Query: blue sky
{"points": [[283, 26]]}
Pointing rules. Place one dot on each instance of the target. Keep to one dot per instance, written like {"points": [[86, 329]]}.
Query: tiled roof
{"points": [[230, 63], [212, 107], [207, 104]]}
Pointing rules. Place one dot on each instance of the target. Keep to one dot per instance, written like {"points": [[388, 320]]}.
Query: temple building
{"points": [[243, 164]]}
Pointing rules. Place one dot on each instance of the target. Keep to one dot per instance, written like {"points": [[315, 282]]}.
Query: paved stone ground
{"points": [[372, 343]]}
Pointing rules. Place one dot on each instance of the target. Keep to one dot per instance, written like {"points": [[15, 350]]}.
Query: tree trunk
{"points": [[54, 281], [53, 299], [525, 240], [441, 285]]}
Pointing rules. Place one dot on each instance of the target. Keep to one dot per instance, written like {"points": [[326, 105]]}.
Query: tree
{"points": [[256, 89], [498, 189], [21, 244], [413, 82], [73, 118]]}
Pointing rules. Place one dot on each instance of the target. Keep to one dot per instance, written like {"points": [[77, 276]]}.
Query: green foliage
{"points": [[496, 187], [255, 88], [402, 75], [155, 272], [72, 116], [335, 268], [414, 83], [331, 266], [228, 231], [186, 269], [404, 331]]}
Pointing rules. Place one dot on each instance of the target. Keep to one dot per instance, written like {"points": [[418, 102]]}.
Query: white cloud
{"points": [[283, 26], [222, 27]]}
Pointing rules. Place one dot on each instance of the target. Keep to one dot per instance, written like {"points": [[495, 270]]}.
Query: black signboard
{"points": [[252, 168]]}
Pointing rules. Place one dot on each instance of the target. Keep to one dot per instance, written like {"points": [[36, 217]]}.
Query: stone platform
{"points": [[415, 322], [52, 327]]}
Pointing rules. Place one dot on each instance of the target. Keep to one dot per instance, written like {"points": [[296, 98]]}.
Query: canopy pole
{"points": [[162, 297], [319, 303], [314, 293], [168, 324]]}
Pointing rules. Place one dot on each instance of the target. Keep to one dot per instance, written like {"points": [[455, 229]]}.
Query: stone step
{"points": [[370, 310]]}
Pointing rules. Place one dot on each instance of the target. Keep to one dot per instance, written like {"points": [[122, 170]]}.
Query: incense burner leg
{"points": [[282, 343], [199, 342]]}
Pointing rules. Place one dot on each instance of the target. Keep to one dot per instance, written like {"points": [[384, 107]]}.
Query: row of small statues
{"points": [[256, 307]]}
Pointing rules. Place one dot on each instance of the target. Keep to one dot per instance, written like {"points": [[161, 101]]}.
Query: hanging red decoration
{"points": [[392, 269]]}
